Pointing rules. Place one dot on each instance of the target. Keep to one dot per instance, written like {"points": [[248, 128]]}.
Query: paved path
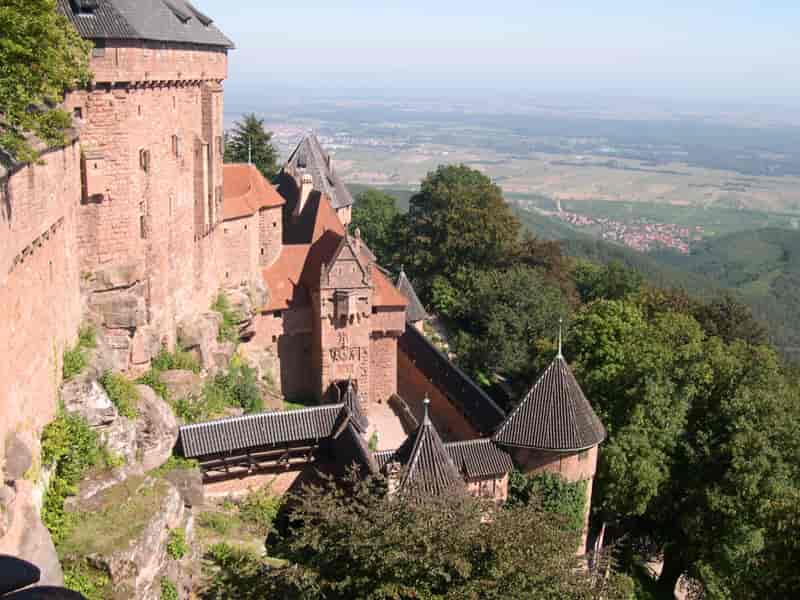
{"points": [[385, 422]]}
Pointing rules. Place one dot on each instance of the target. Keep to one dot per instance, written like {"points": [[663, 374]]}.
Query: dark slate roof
{"points": [[156, 20], [478, 459], [554, 415], [414, 311], [428, 466], [475, 459], [461, 391], [309, 157], [350, 448], [262, 429], [353, 405]]}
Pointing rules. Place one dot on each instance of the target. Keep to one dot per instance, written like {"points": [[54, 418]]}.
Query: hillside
{"points": [[763, 266]]}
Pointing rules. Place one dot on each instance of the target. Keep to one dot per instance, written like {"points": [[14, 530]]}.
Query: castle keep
{"points": [[137, 225]]}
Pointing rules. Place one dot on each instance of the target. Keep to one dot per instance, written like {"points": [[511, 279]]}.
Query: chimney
{"points": [[306, 186]]}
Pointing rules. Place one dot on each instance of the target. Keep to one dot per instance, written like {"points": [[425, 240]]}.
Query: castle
{"points": [[137, 222]]}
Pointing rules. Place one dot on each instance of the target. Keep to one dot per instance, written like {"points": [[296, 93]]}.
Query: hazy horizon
{"points": [[731, 53]]}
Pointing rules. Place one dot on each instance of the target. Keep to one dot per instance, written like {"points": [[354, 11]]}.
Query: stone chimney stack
{"points": [[306, 187]]}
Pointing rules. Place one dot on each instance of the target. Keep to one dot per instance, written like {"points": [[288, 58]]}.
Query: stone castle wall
{"points": [[151, 135], [241, 249], [270, 222], [413, 386], [39, 288]]}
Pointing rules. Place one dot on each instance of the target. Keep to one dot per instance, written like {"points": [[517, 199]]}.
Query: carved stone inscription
{"points": [[347, 354]]}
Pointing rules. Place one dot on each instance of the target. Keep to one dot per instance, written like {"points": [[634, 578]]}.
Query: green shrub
{"points": [[152, 379], [373, 442], [174, 463], [217, 522], [552, 492], [168, 590], [122, 392], [179, 359], [176, 544], [229, 327], [75, 359], [86, 579], [259, 510], [70, 447]]}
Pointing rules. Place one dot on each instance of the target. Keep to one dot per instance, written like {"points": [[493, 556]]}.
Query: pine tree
{"points": [[250, 142]]}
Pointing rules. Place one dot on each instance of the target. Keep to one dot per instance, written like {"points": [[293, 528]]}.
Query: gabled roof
{"points": [[429, 469], [261, 429], [309, 157], [246, 191], [479, 459], [414, 311], [554, 415], [157, 20]]}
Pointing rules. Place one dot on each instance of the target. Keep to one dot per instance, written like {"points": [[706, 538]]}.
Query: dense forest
{"points": [[701, 469]]}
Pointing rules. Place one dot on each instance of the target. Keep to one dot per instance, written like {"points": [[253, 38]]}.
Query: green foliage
{"points": [[87, 579], [122, 393], [458, 220], [373, 442], [179, 359], [215, 521], [552, 493], [168, 589], [237, 387], [229, 327], [75, 359], [259, 509], [380, 223], [362, 543], [42, 56], [250, 142], [176, 544], [613, 281], [175, 463], [152, 379], [70, 447]]}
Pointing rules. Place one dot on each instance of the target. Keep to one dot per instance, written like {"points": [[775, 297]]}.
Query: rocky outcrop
{"points": [[199, 335], [19, 457], [123, 308], [134, 519], [156, 429], [182, 385], [144, 345], [189, 482]]}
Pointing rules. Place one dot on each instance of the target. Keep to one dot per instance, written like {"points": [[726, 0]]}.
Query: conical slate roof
{"points": [[554, 415], [429, 468], [309, 157], [353, 405], [414, 311]]}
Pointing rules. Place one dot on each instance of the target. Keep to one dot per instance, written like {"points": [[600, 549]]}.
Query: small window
{"points": [[144, 160], [274, 223], [142, 227], [77, 112], [374, 310], [227, 274], [139, 110], [274, 338], [176, 146], [245, 227], [262, 251], [277, 314]]}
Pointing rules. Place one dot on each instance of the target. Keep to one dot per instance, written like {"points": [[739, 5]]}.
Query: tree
{"points": [[358, 542], [376, 216], [499, 314], [41, 57], [250, 142], [458, 220], [701, 463]]}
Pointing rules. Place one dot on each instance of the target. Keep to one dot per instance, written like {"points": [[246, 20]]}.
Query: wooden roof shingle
{"points": [[554, 415]]}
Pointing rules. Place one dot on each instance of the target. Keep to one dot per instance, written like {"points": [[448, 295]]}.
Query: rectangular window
{"points": [[77, 112], [144, 160], [142, 227], [176, 146], [277, 314]]}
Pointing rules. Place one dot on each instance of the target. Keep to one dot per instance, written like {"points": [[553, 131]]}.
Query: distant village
{"points": [[639, 234]]}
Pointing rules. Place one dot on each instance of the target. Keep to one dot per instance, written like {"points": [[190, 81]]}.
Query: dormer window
{"points": [[84, 7], [346, 305], [183, 15]]}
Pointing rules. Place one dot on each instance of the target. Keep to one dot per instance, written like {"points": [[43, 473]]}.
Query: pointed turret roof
{"points": [[429, 468], [554, 415], [414, 311], [353, 405], [309, 157]]}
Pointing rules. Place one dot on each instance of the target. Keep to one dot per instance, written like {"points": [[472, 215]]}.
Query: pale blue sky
{"points": [[705, 49]]}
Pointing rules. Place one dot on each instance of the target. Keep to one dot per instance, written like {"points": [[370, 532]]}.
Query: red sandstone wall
{"points": [[496, 488], [167, 102], [288, 337], [240, 241], [38, 287], [383, 367], [270, 235], [412, 386]]}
